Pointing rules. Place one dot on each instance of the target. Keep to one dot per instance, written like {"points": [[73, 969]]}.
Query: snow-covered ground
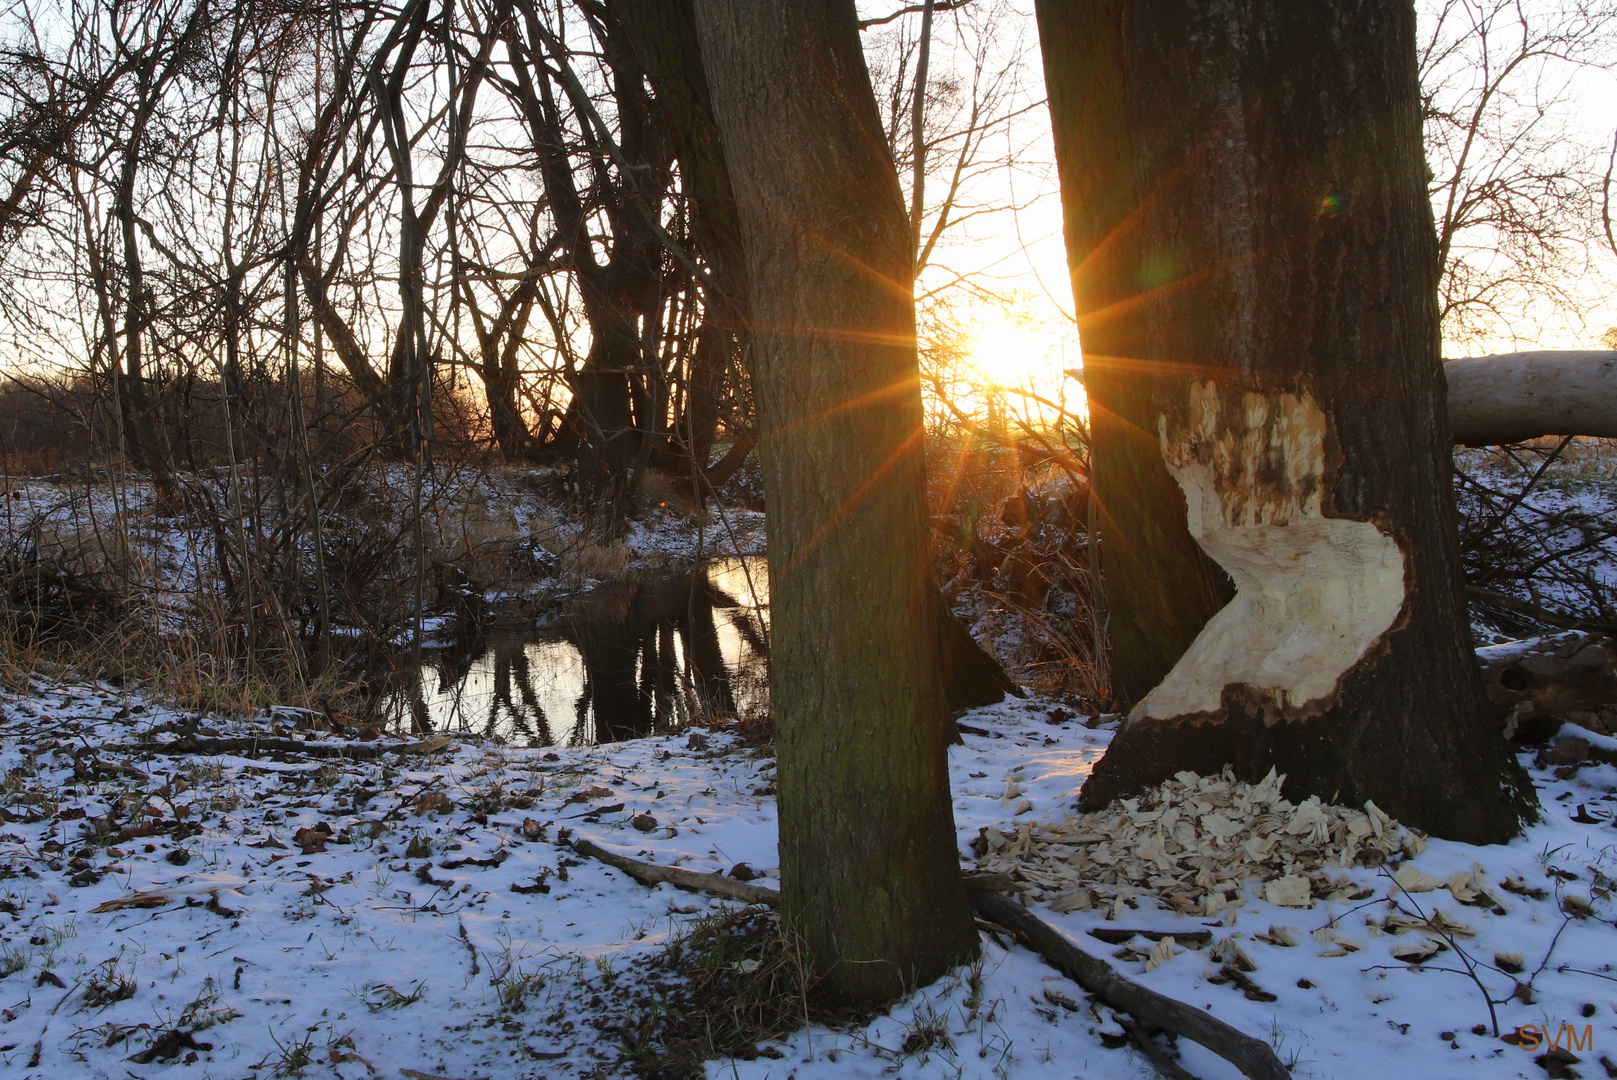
{"points": [[414, 915]]}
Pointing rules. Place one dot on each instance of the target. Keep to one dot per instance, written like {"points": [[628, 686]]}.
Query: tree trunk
{"points": [[662, 36], [869, 870], [1160, 587], [708, 365], [971, 676], [1276, 227], [1514, 397]]}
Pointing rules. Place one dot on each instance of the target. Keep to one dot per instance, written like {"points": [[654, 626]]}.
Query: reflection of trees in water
{"points": [[651, 659], [651, 655], [519, 714], [450, 666]]}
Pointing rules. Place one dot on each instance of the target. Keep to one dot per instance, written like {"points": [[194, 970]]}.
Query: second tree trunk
{"points": [[1255, 270]]}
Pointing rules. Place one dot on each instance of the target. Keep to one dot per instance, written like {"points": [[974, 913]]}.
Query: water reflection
{"points": [[625, 660]]}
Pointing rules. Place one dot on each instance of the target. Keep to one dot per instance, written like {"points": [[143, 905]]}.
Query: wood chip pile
{"points": [[1193, 843]]}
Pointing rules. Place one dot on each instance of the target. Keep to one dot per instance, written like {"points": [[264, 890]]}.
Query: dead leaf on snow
{"points": [[134, 900], [432, 802]]}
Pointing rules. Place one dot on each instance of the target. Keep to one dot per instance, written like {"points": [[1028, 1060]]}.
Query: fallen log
{"points": [[1544, 675], [653, 874], [252, 746], [1513, 397], [1255, 1058]]}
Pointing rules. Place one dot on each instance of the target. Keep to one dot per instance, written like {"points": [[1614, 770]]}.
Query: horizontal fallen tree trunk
{"points": [[252, 746], [1513, 397], [1255, 1058], [1543, 675]]}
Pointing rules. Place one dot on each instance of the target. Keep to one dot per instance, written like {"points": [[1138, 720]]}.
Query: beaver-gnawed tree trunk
{"points": [[1267, 309], [869, 872]]}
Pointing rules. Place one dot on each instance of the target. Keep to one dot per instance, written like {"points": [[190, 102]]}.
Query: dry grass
{"points": [[732, 981], [1582, 459], [175, 602], [594, 560]]}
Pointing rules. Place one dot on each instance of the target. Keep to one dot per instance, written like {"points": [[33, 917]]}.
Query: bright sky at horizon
{"points": [[1024, 256]]}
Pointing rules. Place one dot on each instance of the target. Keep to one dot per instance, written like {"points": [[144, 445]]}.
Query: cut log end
{"points": [[1541, 676]]}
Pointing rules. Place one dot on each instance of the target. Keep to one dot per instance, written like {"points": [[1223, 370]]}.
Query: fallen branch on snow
{"points": [[252, 746], [652, 874], [1255, 1058]]}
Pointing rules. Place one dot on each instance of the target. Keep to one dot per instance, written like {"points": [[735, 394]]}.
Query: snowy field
{"points": [[414, 915]]}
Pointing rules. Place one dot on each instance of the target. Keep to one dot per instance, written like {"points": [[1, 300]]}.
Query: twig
{"points": [[1580, 971], [1470, 968], [1532, 482], [467, 941], [1533, 611]]}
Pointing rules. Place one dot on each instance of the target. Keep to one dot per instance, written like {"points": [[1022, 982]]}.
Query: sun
{"points": [[1006, 352]]}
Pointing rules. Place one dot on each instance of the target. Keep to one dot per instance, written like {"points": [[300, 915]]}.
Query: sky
{"points": [[1024, 253]]}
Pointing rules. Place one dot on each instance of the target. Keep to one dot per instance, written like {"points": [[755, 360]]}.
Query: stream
{"points": [[630, 658]]}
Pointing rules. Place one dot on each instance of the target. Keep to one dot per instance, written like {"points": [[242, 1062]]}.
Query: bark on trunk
{"points": [[1514, 397], [869, 872], [1285, 315], [1160, 587], [662, 35], [971, 676]]}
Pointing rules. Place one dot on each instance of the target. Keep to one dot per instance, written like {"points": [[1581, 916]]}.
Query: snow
{"points": [[372, 965]]}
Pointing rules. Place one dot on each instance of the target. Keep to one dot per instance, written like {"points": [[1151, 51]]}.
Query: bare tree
{"points": [[869, 873], [1515, 186]]}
